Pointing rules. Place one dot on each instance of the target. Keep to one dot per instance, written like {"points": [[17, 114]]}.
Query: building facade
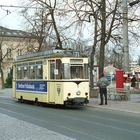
{"points": [[12, 44]]}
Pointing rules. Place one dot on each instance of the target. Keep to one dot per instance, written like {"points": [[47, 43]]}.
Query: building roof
{"points": [[5, 32]]}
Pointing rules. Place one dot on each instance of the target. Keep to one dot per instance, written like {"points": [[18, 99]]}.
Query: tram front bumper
{"points": [[77, 101]]}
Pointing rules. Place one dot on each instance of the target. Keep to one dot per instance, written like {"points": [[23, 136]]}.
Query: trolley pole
{"points": [[125, 36]]}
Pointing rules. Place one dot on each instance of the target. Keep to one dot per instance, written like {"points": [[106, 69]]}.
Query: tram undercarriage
{"points": [[80, 101]]}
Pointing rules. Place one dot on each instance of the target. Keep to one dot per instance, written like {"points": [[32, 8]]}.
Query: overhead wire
{"points": [[9, 12]]}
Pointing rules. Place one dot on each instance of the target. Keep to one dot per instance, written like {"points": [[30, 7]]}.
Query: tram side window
{"points": [[59, 74], [19, 73], [85, 71], [62, 71], [22, 72], [26, 72], [39, 72], [32, 72], [67, 74], [56, 69], [52, 68]]}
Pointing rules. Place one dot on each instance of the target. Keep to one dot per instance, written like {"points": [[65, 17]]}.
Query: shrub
{"points": [[9, 79]]}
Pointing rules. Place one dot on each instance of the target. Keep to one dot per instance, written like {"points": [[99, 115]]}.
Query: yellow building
{"points": [[12, 44]]}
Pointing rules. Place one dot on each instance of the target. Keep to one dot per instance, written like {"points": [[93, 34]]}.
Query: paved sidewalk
{"points": [[6, 93], [132, 105]]}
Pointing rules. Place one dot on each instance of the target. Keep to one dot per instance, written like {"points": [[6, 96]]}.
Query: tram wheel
{"points": [[21, 99], [36, 102]]}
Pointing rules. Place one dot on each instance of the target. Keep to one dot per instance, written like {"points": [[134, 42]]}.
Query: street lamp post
{"points": [[125, 36], [125, 33]]}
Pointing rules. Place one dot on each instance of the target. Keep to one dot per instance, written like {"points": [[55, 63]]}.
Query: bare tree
{"points": [[1, 70], [44, 23], [38, 24], [51, 6], [9, 49], [103, 19], [3, 55]]}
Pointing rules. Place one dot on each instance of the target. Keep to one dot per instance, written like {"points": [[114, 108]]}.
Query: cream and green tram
{"points": [[51, 77]]}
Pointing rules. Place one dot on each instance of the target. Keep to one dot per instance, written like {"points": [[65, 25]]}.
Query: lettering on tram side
{"points": [[32, 86]]}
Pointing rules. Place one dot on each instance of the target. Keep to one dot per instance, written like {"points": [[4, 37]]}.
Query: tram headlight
{"points": [[78, 92], [86, 93], [69, 94]]}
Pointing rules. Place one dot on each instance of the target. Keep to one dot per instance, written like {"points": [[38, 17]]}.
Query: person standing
{"points": [[133, 82], [102, 83]]}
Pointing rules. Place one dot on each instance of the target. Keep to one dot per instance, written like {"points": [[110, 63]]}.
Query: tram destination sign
{"points": [[32, 86]]}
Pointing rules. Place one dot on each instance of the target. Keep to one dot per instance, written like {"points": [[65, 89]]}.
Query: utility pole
{"points": [[125, 36], [125, 33]]}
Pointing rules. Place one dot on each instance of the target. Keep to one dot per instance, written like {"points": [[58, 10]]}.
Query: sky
{"points": [[10, 17]]}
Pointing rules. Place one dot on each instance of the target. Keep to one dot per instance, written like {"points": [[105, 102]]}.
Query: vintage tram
{"points": [[52, 77]]}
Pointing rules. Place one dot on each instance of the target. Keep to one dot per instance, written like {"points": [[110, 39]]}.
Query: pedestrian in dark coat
{"points": [[102, 84], [133, 82]]}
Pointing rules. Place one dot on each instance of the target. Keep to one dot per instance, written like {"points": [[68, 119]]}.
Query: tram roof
{"points": [[50, 54]]}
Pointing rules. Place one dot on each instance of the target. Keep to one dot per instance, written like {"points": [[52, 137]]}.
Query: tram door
{"points": [[14, 81], [55, 76], [51, 95]]}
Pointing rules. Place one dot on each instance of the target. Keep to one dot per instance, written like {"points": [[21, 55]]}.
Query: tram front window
{"points": [[60, 70], [76, 72]]}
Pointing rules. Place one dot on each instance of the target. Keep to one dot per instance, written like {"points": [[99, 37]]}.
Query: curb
{"points": [[114, 109]]}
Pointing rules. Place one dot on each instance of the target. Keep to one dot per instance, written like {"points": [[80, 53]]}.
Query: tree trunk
{"points": [[1, 71], [56, 30], [103, 36], [92, 58], [2, 79]]}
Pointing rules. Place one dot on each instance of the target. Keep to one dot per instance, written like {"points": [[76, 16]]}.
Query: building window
{"points": [[19, 52], [9, 53]]}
